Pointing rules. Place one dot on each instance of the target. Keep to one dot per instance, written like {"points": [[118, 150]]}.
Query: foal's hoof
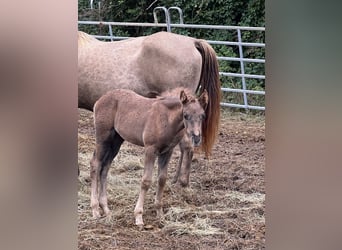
{"points": [[140, 227], [184, 183], [139, 222], [96, 215]]}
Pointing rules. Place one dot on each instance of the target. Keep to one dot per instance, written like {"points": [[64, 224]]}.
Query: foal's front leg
{"points": [[163, 161], [146, 181], [184, 166]]}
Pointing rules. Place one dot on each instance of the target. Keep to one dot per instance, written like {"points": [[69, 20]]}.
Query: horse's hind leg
{"points": [[163, 161], [145, 184], [114, 146]]}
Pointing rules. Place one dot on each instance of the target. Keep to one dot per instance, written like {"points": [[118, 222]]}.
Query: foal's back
{"points": [[140, 120]]}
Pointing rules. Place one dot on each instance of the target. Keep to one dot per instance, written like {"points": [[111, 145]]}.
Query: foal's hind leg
{"points": [[115, 145], [99, 166], [94, 175], [163, 161], [104, 154]]}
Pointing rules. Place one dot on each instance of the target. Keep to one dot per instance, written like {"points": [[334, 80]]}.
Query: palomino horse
{"points": [[158, 124], [150, 65]]}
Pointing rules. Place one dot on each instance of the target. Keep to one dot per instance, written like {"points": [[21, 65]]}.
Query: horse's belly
{"points": [[95, 79]]}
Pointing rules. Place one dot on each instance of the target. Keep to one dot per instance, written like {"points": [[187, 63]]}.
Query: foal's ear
{"points": [[203, 99], [183, 97]]}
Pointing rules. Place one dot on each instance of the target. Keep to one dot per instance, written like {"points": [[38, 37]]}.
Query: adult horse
{"points": [[150, 65]]}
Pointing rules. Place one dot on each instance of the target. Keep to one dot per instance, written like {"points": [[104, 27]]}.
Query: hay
{"points": [[222, 209], [176, 224]]}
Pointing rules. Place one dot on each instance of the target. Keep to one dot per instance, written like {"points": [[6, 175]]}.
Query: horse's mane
{"points": [[84, 39]]}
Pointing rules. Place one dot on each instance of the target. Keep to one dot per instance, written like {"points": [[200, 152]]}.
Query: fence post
{"points": [[180, 12], [92, 4], [111, 32], [167, 17], [242, 65]]}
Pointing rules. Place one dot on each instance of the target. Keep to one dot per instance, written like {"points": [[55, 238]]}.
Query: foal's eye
{"points": [[186, 117], [203, 117]]}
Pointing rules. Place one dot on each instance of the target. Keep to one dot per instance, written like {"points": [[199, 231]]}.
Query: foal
{"points": [[157, 124]]}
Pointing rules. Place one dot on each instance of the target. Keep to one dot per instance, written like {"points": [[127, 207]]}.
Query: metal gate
{"points": [[242, 88]]}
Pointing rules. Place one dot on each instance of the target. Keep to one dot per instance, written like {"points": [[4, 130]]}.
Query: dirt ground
{"points": [[223, 208]]}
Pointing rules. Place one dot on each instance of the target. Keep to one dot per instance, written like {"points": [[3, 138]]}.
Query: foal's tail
{"points": [[84, 39], [210, 80]]}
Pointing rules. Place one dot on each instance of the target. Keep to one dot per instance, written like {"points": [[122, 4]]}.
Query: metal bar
{"points": [[123, 24], [224, 58], [233, 105], [242, 75], [195, 26], [255, 92], [236, 43]]}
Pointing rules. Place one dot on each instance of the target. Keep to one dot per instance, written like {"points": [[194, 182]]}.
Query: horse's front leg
{"points": [[146, 181], [163, 161]]}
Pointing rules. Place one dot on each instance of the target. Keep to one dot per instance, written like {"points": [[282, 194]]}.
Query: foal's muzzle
{"points": [[196, 140]]}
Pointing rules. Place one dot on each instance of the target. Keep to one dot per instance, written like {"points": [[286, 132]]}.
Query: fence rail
{"points": [[239, 43]]}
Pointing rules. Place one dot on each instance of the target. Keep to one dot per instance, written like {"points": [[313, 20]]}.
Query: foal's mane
{"points": [[176, 93]]}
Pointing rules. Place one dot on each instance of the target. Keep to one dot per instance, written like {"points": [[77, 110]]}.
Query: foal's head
{"points": [[193, 115]]}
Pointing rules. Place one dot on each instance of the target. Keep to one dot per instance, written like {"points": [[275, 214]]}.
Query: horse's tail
{"points": [[210, 80], [85, 39]]}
